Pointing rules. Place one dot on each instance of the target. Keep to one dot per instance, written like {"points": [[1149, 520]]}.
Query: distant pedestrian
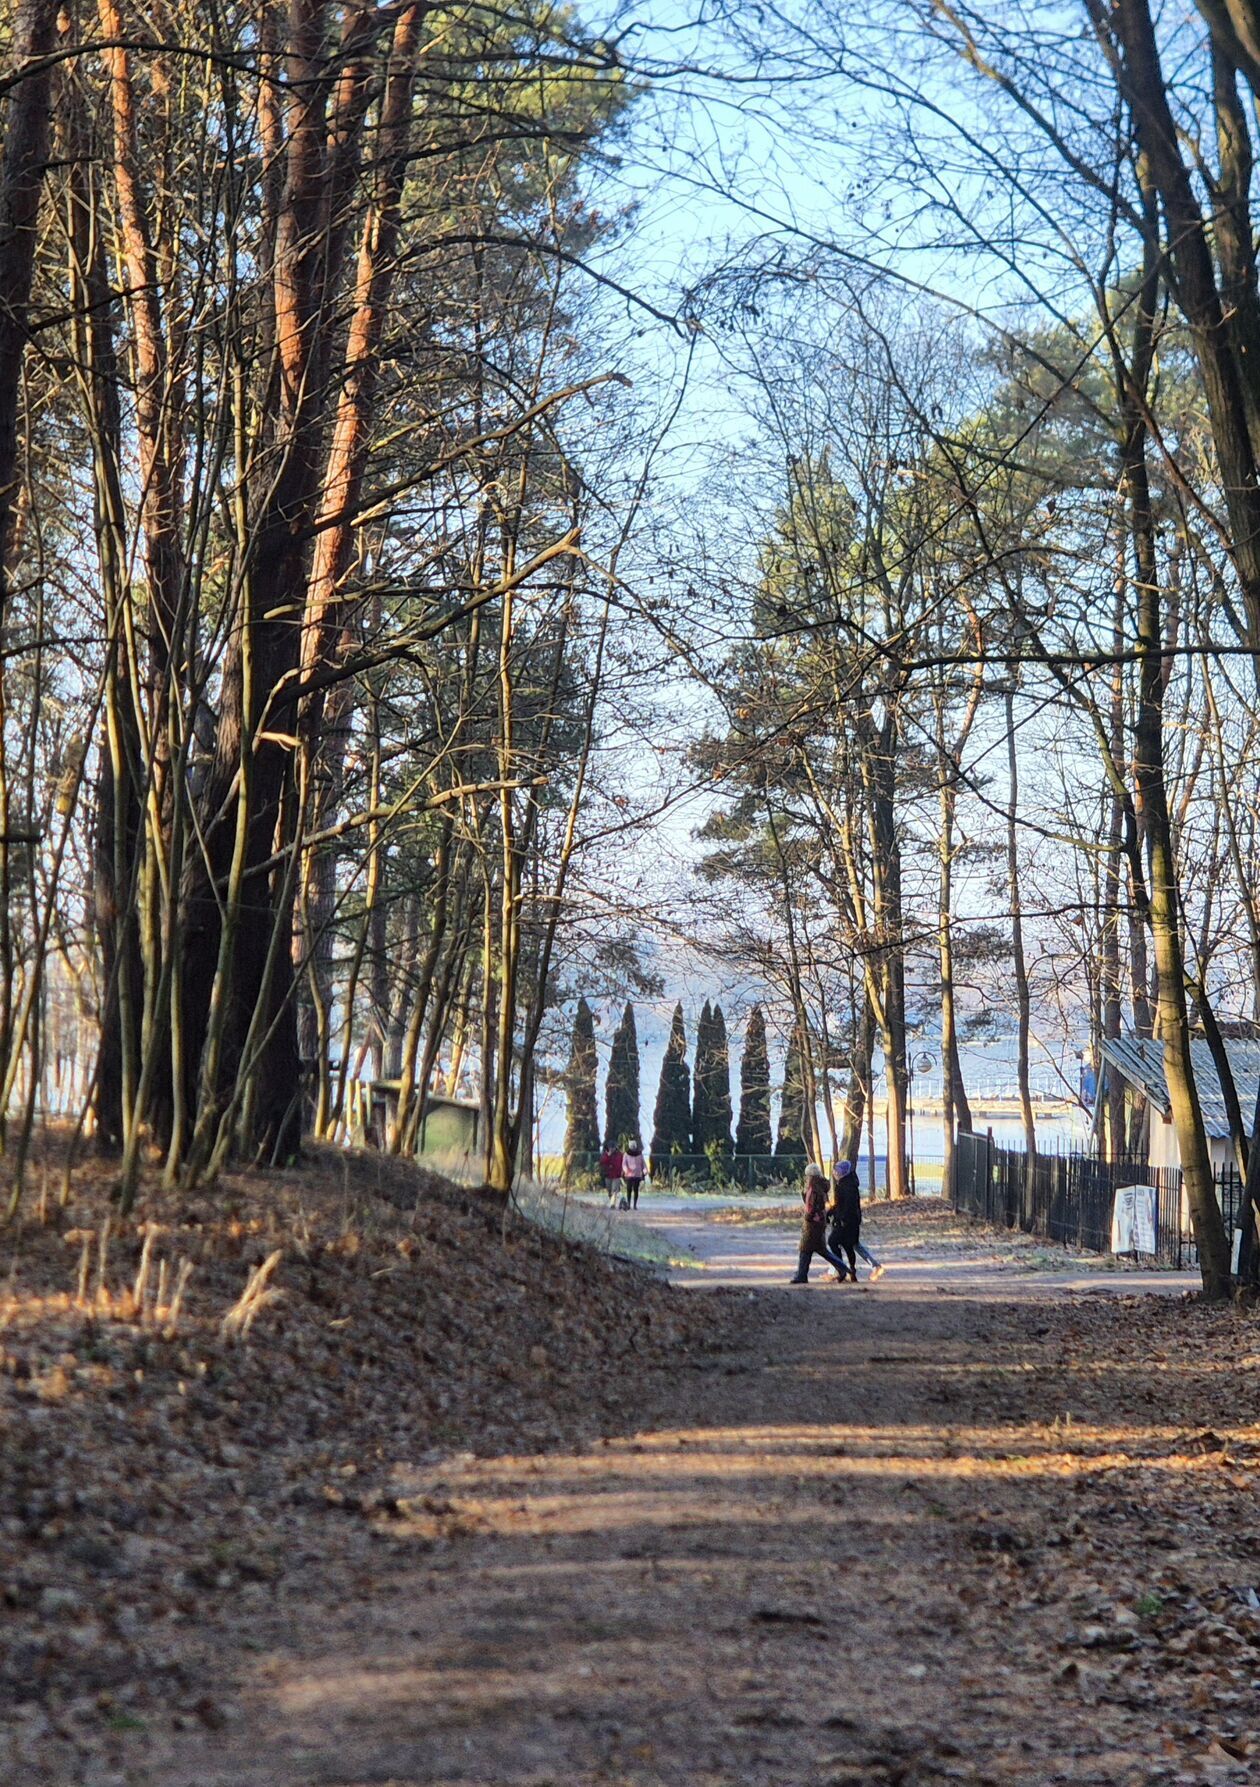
{"points": [[633, 1172], [845, 1211], [814, 1225], [610, 1168]]}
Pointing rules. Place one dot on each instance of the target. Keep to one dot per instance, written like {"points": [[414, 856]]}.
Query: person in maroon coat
{"points": [[814, 1226], [610, 1169]]}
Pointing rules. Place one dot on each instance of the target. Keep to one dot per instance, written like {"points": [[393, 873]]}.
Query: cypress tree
{"points": [[719, 1066], [753, 1135], [671, 1124], [581, 1134], [701, 1111], [621, 1093], [791, 1143]]}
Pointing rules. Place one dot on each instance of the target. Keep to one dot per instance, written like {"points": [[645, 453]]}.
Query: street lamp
{"points": [[920, 1064]]}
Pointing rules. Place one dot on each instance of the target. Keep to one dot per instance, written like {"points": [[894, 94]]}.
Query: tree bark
{"points": [[117, 842], [859, 1086], [326, 637], [1193, 278], [1023, 993], [26, 139], [879, 775], [1115, 1140], [1164, 904], [26, 135], [237, 969]]}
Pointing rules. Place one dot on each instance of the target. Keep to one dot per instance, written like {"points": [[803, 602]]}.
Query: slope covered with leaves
{"points": [[171, 1445]]}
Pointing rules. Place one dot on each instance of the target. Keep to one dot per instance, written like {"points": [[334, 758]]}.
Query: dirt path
{"points": [[963, 1526], [924, 1244]]}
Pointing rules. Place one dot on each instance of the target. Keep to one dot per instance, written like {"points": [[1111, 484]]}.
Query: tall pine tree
{"points": [[621, 1093], [581, 1133], [701, 1112], [719, 1083], [753, 1135], [790, 1146], [671, 1124]]}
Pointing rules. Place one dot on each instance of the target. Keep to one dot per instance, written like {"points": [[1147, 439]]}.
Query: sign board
{"points": [[1133, 1219]]}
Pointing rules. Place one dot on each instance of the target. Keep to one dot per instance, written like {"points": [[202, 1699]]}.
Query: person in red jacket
{"points": [[814, 1226], [610, 1168]]}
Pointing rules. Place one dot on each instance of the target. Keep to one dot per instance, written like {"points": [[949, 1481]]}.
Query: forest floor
{"points": [[969, 1524]]}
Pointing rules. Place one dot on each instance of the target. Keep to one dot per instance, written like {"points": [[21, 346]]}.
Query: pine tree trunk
{"points": [[22, 170], [241, 1046], [327, 715], [119, 804], [1164, 904], [21, 184], [1023, 995], [859, 1085], [949, 1022], [1116, 1142], [879, 775]]}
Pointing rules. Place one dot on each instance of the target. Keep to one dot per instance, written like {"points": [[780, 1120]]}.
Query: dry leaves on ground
{"points": [[187, 1397]]}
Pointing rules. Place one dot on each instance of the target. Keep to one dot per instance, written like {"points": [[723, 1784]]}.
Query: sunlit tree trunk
{"points": [[237, 971], [326, 718], [858, 1090], [879, 778], [1023, 993], [1163, 907]]}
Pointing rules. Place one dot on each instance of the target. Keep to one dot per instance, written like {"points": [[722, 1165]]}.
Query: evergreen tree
{"points": [[581, 1134], [719, 1083], [791, 1143], [671, 1124], [753, 1135], [621, 1093], [701, 1112]]}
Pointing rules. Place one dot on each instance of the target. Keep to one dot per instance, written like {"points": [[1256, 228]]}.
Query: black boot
{"points": [[802, 1269]]}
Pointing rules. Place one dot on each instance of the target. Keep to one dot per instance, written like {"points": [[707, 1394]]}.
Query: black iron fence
{"points": [[748, 1172], [1069, 1198], [722, 1172]]}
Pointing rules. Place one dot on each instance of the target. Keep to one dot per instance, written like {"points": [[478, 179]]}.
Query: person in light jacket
{"points": [[633, 1172]]}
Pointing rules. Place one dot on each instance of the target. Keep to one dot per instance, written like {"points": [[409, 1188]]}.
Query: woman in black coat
{"points": [[845, 1211]]}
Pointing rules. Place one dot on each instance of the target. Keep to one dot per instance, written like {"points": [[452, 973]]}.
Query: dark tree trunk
{"points": [[22, 170], [240, 978], [26, 130]]}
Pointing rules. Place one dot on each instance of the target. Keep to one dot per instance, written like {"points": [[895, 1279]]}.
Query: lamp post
{"points": [[919, 1064]]}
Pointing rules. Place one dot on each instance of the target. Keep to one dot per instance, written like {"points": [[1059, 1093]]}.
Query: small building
{"points": [[1136, 1065], [451, 1127], [450, 1131]]}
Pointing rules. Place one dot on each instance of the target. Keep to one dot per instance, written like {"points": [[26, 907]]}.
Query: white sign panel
{"points": [[1133, 1220]]}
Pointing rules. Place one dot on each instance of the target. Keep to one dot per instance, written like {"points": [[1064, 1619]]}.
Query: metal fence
{"points": [[749, 1172], [725, 1172], [1069, 1198]]}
